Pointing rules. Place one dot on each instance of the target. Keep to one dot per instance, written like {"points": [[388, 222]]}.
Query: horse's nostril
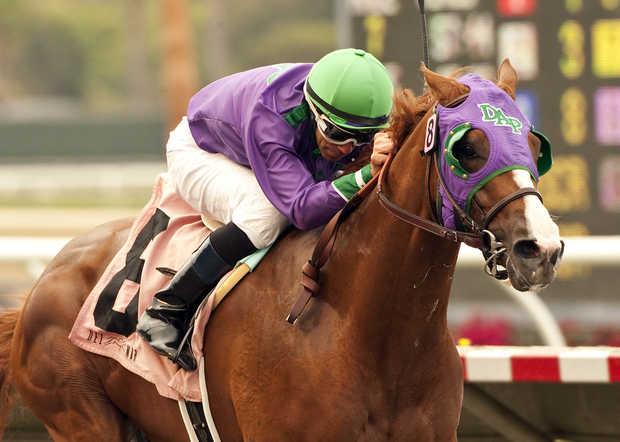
{"points": [[526, 248], [557, 255]]}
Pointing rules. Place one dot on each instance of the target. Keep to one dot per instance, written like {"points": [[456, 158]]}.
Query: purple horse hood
{"points": [[491, 110]]}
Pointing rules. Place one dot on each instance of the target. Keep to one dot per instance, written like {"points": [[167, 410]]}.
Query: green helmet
{"points": [[352, 88]]}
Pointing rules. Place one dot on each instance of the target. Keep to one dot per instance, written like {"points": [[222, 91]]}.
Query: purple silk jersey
{"points": [[259, 119]]}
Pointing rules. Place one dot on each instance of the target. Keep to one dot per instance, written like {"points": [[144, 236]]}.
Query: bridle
{"points": [[477, 235]]}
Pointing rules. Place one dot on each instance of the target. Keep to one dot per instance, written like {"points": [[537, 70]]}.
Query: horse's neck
{"points": [[395, 279]]}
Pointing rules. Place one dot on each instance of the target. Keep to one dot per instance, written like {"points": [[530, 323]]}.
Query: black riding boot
{"points": [[164, 324]]}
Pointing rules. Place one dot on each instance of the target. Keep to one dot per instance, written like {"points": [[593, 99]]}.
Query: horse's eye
{"points": [[465, 151]]}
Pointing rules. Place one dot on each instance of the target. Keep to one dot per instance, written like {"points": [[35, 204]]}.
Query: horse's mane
{"points": [[407, 112]]}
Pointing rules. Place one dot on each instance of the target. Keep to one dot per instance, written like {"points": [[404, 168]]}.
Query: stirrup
{"points": [[184, 355]]}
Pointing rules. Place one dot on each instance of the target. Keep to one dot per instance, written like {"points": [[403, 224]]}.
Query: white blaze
{"points": [[538, 221]]}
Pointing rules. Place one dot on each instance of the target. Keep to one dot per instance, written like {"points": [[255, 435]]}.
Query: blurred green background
{"points": [[81, 58], [85, 82]]}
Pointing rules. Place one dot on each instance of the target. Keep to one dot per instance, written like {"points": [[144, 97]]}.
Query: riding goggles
{"points": [[336, 134]]}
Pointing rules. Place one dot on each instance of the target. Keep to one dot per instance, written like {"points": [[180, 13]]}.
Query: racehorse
{"points": [[370, 359]]}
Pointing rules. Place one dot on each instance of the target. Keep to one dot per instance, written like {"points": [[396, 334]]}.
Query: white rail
{"points": [[586, 250], [27, 248]]}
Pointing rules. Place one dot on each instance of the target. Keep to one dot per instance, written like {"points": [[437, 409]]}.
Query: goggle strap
{"points": [[362, 121]]}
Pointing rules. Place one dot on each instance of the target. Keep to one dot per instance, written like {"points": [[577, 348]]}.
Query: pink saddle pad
{"points": [[164, 235]]}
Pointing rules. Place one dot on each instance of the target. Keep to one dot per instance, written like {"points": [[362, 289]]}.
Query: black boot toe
{"points": [[162, 335]]}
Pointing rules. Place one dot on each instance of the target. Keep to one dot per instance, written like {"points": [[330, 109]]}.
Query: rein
{"points": [[479, 237], [471, 239], [323, 250]]}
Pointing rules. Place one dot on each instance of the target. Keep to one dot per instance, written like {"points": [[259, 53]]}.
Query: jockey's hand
{"points": [[382, 147]]}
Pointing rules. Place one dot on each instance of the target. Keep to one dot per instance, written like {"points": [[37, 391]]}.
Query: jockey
{"points": [[259, 150]]}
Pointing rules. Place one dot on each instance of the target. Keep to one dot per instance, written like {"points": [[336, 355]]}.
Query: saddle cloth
{"points": [[163, 236]]}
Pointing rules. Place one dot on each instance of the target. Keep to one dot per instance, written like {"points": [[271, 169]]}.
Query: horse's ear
{"points": [[507, 78], [444, 89]]}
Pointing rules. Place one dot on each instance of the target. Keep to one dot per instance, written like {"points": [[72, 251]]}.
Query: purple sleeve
{"points": [[285, 180]]}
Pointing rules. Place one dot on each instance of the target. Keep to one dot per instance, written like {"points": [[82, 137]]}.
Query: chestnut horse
{"points": [[371, 358]]}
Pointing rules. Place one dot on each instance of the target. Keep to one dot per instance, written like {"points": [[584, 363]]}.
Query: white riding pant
{"points": [[213, 184]]}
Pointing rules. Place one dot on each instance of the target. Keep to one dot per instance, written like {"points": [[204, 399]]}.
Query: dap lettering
{"points": [[499, 118]]}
